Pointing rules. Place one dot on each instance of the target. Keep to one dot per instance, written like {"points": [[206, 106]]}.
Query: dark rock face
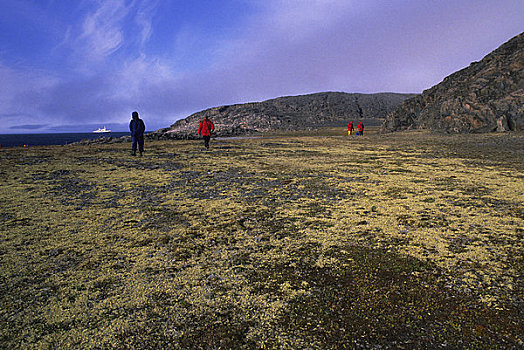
{"points": [[486, 96], [289, 113]]}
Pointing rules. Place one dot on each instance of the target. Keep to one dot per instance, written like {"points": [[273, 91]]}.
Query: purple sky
{"points": [[71, 66]]}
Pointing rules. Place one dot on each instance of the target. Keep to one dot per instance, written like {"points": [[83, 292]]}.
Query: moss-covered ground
{"points": [[408, 240]]}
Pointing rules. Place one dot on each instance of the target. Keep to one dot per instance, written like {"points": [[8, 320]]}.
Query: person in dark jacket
{"points": [[205, 128], [137, 129], [360, 128]]}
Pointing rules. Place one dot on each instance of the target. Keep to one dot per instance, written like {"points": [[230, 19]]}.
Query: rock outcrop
{"points": [[486, 96], [289, 113]]}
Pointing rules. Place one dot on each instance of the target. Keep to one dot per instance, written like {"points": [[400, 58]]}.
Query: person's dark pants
{"points": [[139, 139], [206, 141]]}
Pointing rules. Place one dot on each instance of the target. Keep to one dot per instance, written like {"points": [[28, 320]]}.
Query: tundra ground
{"points": [[301, 241]]}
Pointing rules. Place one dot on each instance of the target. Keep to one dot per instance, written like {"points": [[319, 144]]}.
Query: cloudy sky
{"points": [[69, 66]]}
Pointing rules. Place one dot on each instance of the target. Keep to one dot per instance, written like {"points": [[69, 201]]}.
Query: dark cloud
{"points": [[29, 127]]}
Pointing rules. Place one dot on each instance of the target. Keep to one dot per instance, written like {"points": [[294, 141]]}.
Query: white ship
{"points": [[101, 130]]}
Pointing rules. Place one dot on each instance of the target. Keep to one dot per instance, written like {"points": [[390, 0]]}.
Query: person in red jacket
{"points": [[351, 128], [360, 128], [205, 129]]}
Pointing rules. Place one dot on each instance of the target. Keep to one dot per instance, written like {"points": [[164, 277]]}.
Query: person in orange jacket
{"points": [[205, 129], [351, 128], [360, 128]]}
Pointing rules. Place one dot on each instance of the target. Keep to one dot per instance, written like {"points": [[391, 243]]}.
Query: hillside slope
{"points": [[486, 96], [291, 113]]}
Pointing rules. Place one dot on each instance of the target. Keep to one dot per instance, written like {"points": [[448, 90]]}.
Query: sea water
{"points": [[14, 140]]}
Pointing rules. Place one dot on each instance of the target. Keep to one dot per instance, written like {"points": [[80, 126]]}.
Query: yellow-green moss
{"points": [[226, 248]]}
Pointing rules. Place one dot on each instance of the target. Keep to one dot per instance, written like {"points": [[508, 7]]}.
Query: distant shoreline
{"points": [[52, 139]]}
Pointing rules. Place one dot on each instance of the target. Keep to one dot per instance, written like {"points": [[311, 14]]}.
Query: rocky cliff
{"points": [[486, 96], [290, 113]]}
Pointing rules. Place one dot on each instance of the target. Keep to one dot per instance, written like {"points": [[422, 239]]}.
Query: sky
{"points": [[74, 66]]}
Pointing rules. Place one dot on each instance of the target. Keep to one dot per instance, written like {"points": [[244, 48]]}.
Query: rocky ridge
{"points": [[289, 113], [484, 97]]}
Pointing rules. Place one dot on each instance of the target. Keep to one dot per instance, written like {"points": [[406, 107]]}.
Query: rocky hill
{"points": [[289, 113], [486, 96]]}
